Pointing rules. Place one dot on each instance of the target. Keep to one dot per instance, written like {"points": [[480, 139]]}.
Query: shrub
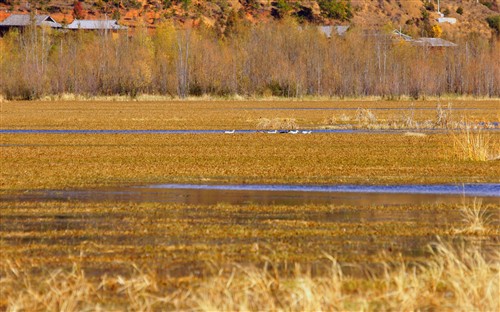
{"points": [[336, 9], [277, 124], [487, 3], [78, 11], [365, 117], [281, 8], [494, 23], [460, 10], [429, 6], [437, 31]]}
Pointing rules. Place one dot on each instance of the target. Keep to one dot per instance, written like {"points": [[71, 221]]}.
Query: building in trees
{"points": [[329, 30], [20, 21], [107, 25], [433, 43], [422, 42]]}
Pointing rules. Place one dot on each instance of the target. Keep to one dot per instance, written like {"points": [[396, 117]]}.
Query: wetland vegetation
{"points": [[69, 254]]}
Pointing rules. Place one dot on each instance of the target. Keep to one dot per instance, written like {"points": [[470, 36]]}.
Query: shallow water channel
{"points": [[208, 194], [233, 131]]}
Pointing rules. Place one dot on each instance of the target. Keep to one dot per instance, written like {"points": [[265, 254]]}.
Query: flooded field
{"points": [[104, 202], [209, 194]]}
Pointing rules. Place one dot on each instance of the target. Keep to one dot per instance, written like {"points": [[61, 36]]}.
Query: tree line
{"points": [[278, 59]]}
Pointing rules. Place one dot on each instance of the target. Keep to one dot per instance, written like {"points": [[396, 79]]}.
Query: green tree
{"points": [[281, 9], [494, 23], [336, 9]]}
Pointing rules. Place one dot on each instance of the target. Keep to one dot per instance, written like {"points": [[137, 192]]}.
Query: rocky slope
{"points": [[415, 17]]}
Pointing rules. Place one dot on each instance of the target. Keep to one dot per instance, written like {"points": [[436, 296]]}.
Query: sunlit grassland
{"points": [[221, 114], [66, 161], [220, 257], [69, 161], [68, 255]]}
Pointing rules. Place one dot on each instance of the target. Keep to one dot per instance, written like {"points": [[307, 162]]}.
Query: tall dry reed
{"points": [[458, 279], [475, 145]]}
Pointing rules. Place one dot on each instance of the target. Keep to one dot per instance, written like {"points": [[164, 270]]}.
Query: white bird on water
{"points": [[229, 132]]}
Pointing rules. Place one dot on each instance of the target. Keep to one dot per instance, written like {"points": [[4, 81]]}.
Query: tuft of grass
{"points": [[277, 124], [365, 117], [475, 145], [407, 120], [475, 218], [443, 117], [332, 120]]}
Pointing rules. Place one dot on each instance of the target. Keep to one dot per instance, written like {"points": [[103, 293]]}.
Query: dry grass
{"points": [[366, 118], [277, 124], [476, 219], [457, 279], [443, 117], [69, 161], [74, 161], [408, 119], [332, 120], [79, 256], [214, 114], [475, 145], [415, 134]]}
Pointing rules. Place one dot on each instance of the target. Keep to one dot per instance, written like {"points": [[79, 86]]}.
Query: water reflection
{"points": [[352, 195]]}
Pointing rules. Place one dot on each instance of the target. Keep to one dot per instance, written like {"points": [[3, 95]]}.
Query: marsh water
{"points": [[265, 194], [244, 131], [371, 219]]}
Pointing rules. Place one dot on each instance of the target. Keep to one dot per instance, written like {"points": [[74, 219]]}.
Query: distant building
{"points": [[433, 43], [423, 42], [329, 30], [450, 20], [397, 34], [20, 21], [441, 19], [111, 25]]}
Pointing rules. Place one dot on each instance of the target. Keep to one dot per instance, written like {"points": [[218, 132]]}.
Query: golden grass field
{"points": [[72, 256], [218, 114]]}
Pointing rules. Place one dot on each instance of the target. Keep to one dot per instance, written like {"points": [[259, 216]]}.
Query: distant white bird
{"points": [[294, 131], [273, 132], [306, 131], [229, 132]]}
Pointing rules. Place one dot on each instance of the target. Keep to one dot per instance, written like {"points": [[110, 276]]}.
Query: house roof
{"points": [[433, 42], [401, 35], [328, 30], [23, 20], [95, 25]]}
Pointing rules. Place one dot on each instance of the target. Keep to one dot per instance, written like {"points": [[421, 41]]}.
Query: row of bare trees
{"points": [[278, 59]]}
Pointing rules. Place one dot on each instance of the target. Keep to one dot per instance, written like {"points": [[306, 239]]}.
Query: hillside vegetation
{"points": [[275, 59], [286, 58], [413, 17]]}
